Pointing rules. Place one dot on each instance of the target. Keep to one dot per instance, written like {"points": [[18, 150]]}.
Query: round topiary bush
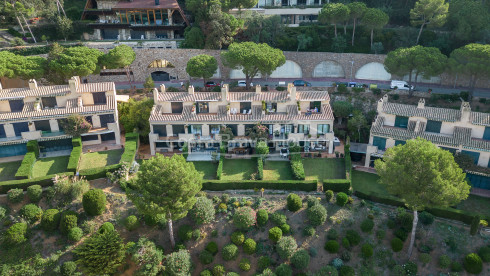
{"points": [[278, 218], [444, 261], [484, 253], [275, 234], [345, 256], [284, 270], [131, 223], [68, 220], [456, 267], [94, 202], [473, 263], [203, 211], [68, 268], [75, 234], [249, 246], [345, 243], [185, 232], [229, 252], [34, 193], [16, 234], [311, 201], [367, 250], [367, 225], [294, 202], [206, 257], [317, 215], [286, 247], [244, 264], [285, 228], [309, 231], [327, 270], [31, 212], [300, 259], [263, 263], [196, 234], [347, 271], [15, 195], [329, 195], [405, 220], [219, 270], [262, 217], [337, 263], [332, 246], [106, 227], [178, 263], [332, 234], [237, 238], [342, 199], [212, 247], [353, 237], [410, 268], [244, 218], [401, 234], [425, 258], [426, 218], [50, 220], [396, 245], [206, 272]]}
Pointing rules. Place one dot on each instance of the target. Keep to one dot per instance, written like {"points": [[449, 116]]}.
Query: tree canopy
{"points": [[135, 115], [202, 66], [74, 61], [120, 56], [432, 13], [334, 13], [468, 19], [342, 109], [357, 10], [374, 19]]}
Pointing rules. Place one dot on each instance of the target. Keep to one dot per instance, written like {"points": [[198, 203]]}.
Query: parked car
{"points": [[301, 83], [242, 83], [400, 85], [212, 84]]}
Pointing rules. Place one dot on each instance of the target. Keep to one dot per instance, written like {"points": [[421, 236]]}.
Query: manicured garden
{"points": [[100, 159], [207, 168], [238, 169], [324, 168], [277, 170], [8, 170], [49, 166]]}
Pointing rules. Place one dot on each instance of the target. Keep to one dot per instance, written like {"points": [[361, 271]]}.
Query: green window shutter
{"points": [[401, 121], [379, 142], [433, 126], [400, 142]]}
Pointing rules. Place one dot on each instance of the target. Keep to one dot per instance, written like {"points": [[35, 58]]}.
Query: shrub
{"points": [[229, 252], [237, 238], [426, 218], [68, 268], [15, 195], [311, 201], [203, 211], [263, 262], [244, 218], [444, 261], [16, 234], [68, 221], [34, 193], [367, 225], [196, 234], [405, 220], [300, 259], [332, 234], [3, 212], [329, 195], [294, 202], [185, 232], [285, 228], [206, 257], [309, 231], [75, 234], [249, 246], [284, 270], [206, 272], [317, 215], [275, 234], [484, 253], [106, 227], [50, 220], [332, 246], [179, 263], [286, 247], [218, 270], [94, 202], [345, 256], [396, 245], [456, 267], [337, 263], [473, 263], [297, 167], [342, 199], [131, 223], [278, 218], [31, 212], [410, 268], [327, 270], [390, 223], [380, 234], [231, 273], [401, 234], [260, 169], [425, 258], [244, 264], [353, 237], [367, 250], [345, 243], [262, 217], [212, 247], [346, 271]]}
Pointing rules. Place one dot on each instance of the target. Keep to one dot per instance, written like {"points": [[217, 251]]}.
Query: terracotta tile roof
{"points": [[54, 90], [186, 97], [312, 96]]}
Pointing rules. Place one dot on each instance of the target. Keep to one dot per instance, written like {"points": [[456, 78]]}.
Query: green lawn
{"points": [[48, 166], [207, 168], [324, 168], [8, 170], [277, 170], [238, 169], [100, 159], [476, 204]]}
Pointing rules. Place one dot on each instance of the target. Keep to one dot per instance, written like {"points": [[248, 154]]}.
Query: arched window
{"points": [[161, 63]]}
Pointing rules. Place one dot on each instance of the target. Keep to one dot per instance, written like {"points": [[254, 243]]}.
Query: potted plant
{"points": [[286, 135], [318, 136], [309, 135], [264, 107], [299, 106], [276, 133]]}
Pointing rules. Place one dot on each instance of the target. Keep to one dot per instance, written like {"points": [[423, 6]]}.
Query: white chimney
{"points": [[292, 92], [258, 89], [1, 87], [79, 102], [162, 88], [380, 103], [32, 84], [191, 89], [224, 93], [155, 96], [73, 83], [465, 112], [421, 103]]}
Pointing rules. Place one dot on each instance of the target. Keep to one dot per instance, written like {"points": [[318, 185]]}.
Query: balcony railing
{"points": [[52, 133]]}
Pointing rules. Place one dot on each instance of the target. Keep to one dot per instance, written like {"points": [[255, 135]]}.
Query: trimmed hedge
{"points": [[297, 167], [75, 155], [337, 185], [33, 146], [260, 169], [130, 148], [288, 185], [96, 173], [219, 171], [25, 169], [43, 181]]}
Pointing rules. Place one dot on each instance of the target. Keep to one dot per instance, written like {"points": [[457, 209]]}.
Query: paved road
{"points": [[327, 83]]}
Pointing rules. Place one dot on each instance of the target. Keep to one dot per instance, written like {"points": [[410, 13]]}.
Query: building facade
{"points": [[135, 19], [37, 112], [460, 130], [196, 119]]}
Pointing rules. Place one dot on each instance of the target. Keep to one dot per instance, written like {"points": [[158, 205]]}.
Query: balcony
{"points": [[52, 133], [31, 135]]}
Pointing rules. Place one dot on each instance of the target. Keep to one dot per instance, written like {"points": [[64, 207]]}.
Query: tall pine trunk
{"points": [[345, 28], [335, 28], [29, 28], [420, 33], [372, 33], [414, 229], [410, 91], [171, 230], [353, 31]]}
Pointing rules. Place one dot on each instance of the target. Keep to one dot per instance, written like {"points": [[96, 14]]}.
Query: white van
{"points": [[401, 85]]}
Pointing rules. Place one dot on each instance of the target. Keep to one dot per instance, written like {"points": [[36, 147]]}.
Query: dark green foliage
{"points": [[405, 220], [16, 234], [425, 258], [263, 263], [286, 185], [262, 217], [34, 193], [456, 267], [50, 220], [401, 234], [68, 268], [106, 227], [147, 256], [75, 154], [367, 225], [31, 212], [444, 261], [285, 228], [300, 259], [15, 195], [353, 237], [219, 270], [317, 215], [206, 272], [426, 218], [327, 270], [278, 218], [475, 224], [75, 234], [294, 202], [260, 169], [332, 234], [346, 271], [25, 169], [380, 234], [179, 263], [473, 263], [275, 234], [229, 252], [212, 247], [94, 202], [367, 250], [244, 218], [337, 185], [309, 231], [244, 264], [284, 270], [219, 171], [484, 253], [96, 173], [286, 246], [206, 257], [391, 223], [153, 220], [329, 195], [410, 268], [345, 243], [68, 221], [341, 199], [332, 246], [345, 256], [131, 223], [237, 238], [396, 245], [185, 232], [297, 167], [203, 211], [311, 200], [196, 234], [249, 246]]}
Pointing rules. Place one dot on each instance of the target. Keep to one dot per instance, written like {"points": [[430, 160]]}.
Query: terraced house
{"points": [[35, 113], [196, 118], [460, 130]]}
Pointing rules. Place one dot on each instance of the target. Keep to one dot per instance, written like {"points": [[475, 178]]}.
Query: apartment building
{"points": [[196, 118], [35, 113], [454, 130], [135, 19]]}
